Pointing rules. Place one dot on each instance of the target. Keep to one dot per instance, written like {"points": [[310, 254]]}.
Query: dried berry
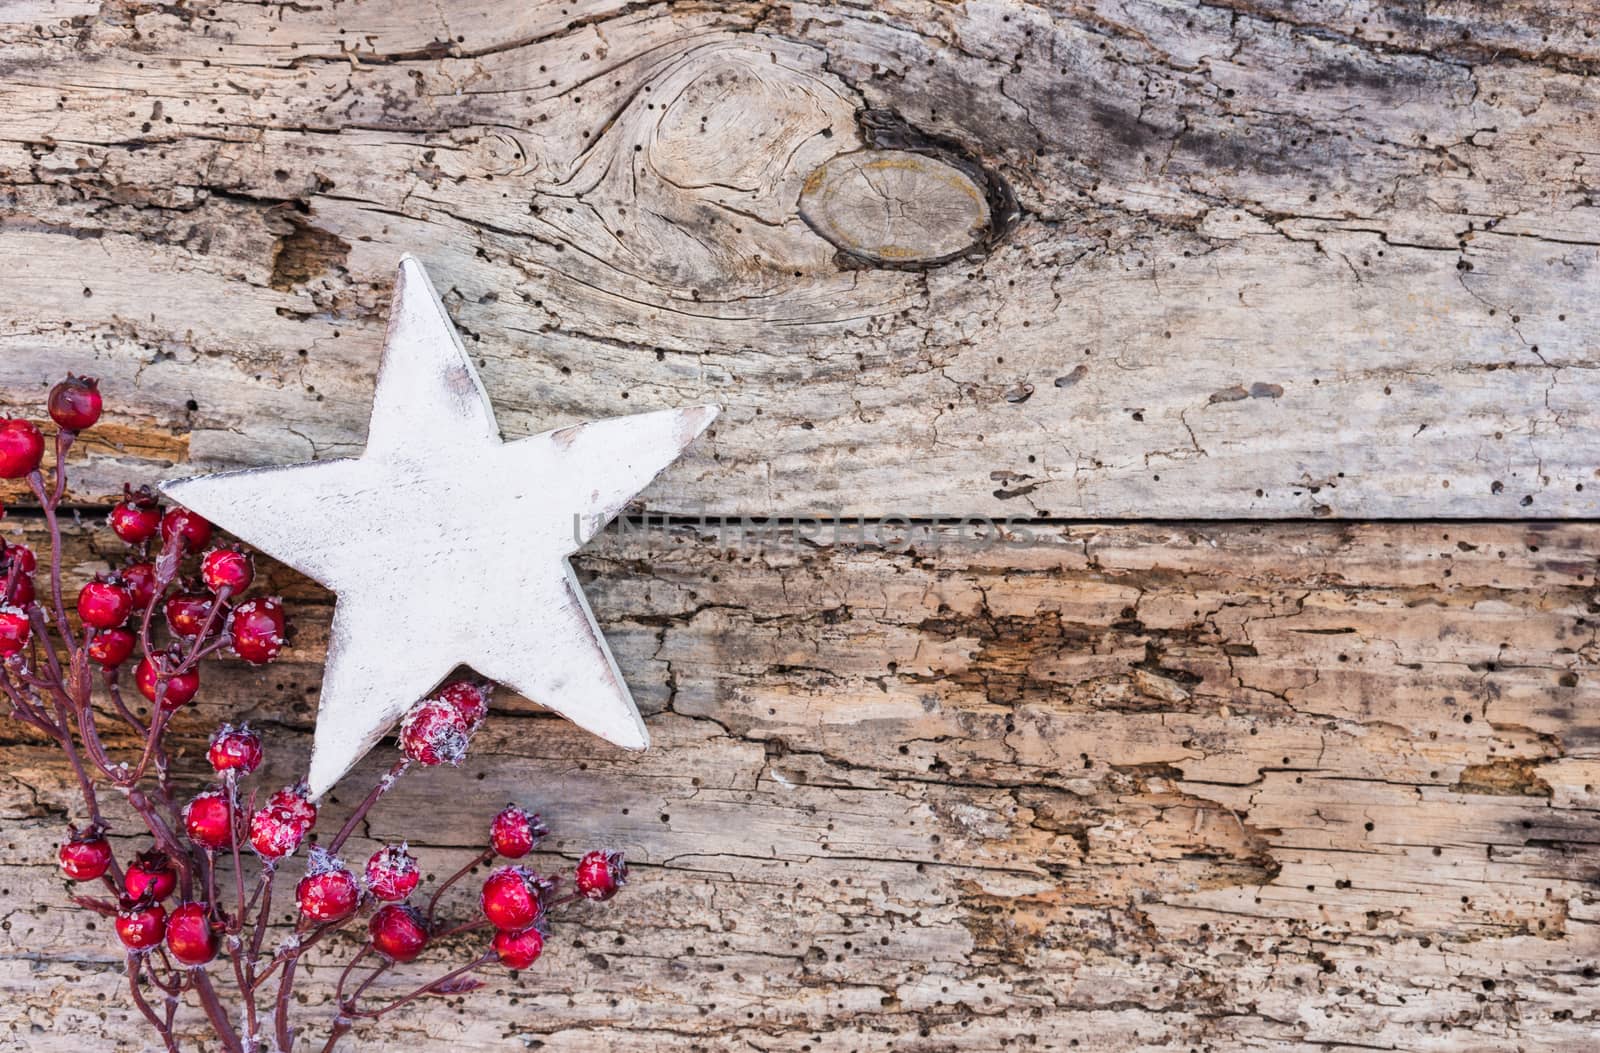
{"points": [[398, 932], [519, 949], [191, 934], [85, 855], [257, 628], [514, 833], [75, 403], [601, 875], [21, 448], [234, 749], [111, 647], [207, 820], [392, 873], [434, 733], [104, 604], [151, 876], [227, 568], [141, 926], [196, 530]]}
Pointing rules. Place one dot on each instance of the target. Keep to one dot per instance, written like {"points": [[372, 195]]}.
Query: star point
{"points": [[437, 509]]}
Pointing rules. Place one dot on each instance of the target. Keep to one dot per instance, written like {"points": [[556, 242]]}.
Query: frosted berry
{"points": [[14, 631], [151, 875], [21, 593], [392, 873], [234, 749], [180, 688], [85, 855], [136, 518], [111, 647], [104, 604], [328, 892], [434, 733], [514, 832], [191, 936], [196, 530], [398, 932], [601, 874], [22, 556], [519, 949], [141, 927], [278, 828], [470, 698], [141, 581], [257, 627], [207, 820], [227, 568], [75, 403], [513, 898], [21, 448], [187, 612]]}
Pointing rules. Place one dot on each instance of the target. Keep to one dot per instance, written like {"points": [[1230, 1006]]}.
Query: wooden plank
{"points": [[1285, 787], [1238, 259]]}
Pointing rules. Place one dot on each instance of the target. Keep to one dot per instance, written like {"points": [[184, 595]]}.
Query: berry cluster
{"points": [[186, 900]]}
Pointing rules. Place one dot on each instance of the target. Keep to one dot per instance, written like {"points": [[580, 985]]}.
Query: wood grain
{"points": [[1257, 258], [1299, 787], [1230, 787]]}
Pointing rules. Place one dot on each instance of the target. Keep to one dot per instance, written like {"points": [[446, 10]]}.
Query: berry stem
{"points": [[384, 785], [433, 901], [425, 989], [48, 504], [162, 1028]]}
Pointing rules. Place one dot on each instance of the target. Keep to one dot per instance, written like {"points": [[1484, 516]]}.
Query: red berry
{"points": [[434, 733], [398, 932], [514, 832], [469, 698], [235, 749], [85, 855], [196, 530], [150, 874], [23, 556], [21, 448], [206, 819], [21, 591], [136, 518], [257, 627], [392, 873], [227, 568], [328, 892], [140, 927], [104, 604], [278, 828], [141, 581], [74, 403], [191, 936], [14, 631], [513, 897], [520, 949], [179, 689], [111, 647], [187, 613], [601, 874]]}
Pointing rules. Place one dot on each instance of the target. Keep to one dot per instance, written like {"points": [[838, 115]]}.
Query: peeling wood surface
{"points": [[1244, 259], [1224, 787], [1279, 787]]}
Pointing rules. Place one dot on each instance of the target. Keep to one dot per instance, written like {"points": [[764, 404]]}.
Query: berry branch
{"points": [[200, 853]]}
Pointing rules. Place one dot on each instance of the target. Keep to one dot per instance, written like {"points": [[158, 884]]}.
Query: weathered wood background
{"points": [[1107, 786]]}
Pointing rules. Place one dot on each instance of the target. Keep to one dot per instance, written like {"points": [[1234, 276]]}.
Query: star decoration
{"points": [[448, 546]]}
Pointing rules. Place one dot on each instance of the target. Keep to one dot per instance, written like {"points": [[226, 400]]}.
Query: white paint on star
{"points": [[448, 546]]}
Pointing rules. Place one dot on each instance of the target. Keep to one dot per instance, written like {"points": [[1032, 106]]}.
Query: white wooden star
{"points": [[447, 545]]}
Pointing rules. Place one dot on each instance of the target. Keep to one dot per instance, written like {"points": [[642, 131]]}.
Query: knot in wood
{"points": [[896, 208]]}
